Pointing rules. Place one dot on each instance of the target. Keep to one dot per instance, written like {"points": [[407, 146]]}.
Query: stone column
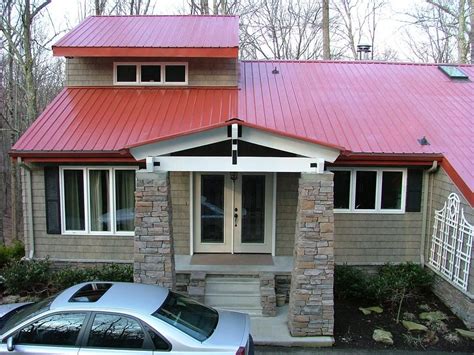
{"points": [[153, 244], [267, 294], [311, 308]]}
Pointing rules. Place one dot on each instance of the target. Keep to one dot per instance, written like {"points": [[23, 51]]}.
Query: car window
{"points": [[58, 329], [26, 312], [115, 331], [188, 315], [159, 343]]}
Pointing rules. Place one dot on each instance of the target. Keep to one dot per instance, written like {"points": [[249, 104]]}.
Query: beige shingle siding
{"points": [[180, 201], [201, 71], [286, 201], [442, 187], [82, 247]]}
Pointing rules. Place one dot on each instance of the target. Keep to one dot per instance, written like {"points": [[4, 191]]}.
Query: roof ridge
{"points": [[352, 62], [157, 15]]}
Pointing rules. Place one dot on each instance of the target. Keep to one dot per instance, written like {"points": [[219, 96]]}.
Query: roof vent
{"points": [[364, 50], [275, 71], [91, 292], [453, 71], [423, 141]]}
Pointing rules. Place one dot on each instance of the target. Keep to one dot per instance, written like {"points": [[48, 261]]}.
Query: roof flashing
{"points": [[453, 72]]}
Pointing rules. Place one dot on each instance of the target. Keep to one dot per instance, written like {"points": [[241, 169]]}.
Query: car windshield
{"points": [[26, 312], [188, 315]]}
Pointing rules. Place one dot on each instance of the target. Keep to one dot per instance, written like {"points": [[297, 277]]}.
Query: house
{"points": [[238, 180]]}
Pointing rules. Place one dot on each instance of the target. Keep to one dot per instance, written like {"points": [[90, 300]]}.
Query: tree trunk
{"points": [[471, 34], [326, 43], [204, 7], [462, 45]]}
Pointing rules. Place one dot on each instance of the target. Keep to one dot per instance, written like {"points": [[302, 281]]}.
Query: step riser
{"points": [[241, 294]]}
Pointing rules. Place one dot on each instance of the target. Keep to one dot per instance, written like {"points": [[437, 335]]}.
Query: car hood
{"points": [[233, 329], [6, 308]]}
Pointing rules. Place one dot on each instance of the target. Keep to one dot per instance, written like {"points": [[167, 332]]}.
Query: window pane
{"points": [[392, 190], [188, 315], [74, 199], [114, 331], [175, 73], [125, 200], [366, 182], [126, 73], [253, 209], [59, 329], [212, 208], [342, 187], [99, 200], [151, 73]]}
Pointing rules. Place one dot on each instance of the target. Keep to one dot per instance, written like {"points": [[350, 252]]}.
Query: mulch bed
{"points": [[354, 330]]}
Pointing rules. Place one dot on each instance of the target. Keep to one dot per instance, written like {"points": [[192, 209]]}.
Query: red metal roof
{"points": [[366, 107], [370, 109], [129, 36]]}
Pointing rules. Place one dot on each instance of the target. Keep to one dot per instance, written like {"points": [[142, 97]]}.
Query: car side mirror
{"points": [[10, 344]]}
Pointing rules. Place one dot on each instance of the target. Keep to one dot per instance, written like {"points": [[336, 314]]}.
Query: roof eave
{"points": [[204, 52]]}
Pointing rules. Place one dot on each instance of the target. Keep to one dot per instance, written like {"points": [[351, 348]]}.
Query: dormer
{"points": [[152, 51]]}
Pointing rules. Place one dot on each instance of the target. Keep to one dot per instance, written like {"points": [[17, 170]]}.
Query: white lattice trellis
{"points": [[451, 243]]}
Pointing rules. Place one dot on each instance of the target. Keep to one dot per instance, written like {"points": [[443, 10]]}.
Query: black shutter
{"points": [[414, 190], [53, 216]]}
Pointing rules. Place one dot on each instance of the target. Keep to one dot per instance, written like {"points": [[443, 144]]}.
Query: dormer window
{"points": [[151, 73]]}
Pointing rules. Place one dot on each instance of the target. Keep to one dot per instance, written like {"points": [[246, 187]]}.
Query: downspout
{"points": [[427, 181], [29, 206]]}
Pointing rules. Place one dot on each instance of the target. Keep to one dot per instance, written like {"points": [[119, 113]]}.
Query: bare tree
{"points": [[326, 39], [357, 22]]}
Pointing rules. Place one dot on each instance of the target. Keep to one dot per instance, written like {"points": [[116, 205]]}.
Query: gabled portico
{"points": [[233, 183]]}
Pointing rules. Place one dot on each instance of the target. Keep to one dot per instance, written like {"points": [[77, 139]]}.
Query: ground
{"points": [[354, 330]]}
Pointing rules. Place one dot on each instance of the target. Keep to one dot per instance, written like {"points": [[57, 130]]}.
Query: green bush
{"points": [[394, 282], [350, 282], [11, 253], [27, 276], [67, 277]]}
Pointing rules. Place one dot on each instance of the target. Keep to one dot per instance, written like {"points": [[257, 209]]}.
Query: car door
{"points": [[112, 333], [52, 334]]}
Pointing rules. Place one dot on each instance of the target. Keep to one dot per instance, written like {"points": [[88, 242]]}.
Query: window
{"points": [[97, 200], [149, 73], [91, 292], [188, 315], [115, 331], [369, 190], [58, 329]]}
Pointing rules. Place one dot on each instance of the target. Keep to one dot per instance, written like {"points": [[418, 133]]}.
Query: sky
{"points": [[65, 14]]}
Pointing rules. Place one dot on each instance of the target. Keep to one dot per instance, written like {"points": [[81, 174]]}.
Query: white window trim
{"points": [[138, 81], [112, 196], [378, 191]]}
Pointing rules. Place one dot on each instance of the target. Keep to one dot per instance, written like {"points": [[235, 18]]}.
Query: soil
{"points": [[354, 330]]}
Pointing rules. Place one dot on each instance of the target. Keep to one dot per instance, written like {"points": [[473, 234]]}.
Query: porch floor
{"points": [[274, 331], [247, 264]]}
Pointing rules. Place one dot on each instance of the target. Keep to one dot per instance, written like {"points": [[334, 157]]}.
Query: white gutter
{"points": [[29, 206], [426, 182]]}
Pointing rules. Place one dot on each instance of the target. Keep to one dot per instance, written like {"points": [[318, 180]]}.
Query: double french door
{"points": [[233, 212]]}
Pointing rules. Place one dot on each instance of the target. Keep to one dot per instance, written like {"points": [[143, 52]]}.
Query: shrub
{"points": [[11, 253], [350, 282], [67, 277], [27, 276]]}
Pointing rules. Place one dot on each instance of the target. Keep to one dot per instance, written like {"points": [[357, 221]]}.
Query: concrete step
{"points": [[254, 312], [235, 293]]}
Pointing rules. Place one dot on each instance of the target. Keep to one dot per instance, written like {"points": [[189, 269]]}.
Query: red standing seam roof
{"points": [[156, 35], [366, 107]]}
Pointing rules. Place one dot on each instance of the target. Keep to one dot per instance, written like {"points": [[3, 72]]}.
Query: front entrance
{"points": [[233, 212]]}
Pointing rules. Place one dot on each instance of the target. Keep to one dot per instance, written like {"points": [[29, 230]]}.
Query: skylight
{"points": [[453, 72]]}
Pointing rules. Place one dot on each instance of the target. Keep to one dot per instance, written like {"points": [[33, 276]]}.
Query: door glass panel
{"points": [[212, 208], [253, 209]]}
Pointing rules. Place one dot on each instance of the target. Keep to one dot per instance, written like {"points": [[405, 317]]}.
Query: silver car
{"points": [[121, 318]]}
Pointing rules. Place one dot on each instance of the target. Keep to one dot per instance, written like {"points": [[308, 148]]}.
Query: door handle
{"points": [[236, 216]]}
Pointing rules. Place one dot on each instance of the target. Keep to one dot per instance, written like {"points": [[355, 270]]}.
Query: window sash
{"points": [[87, 201], [163, 81], [378, 191]]}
